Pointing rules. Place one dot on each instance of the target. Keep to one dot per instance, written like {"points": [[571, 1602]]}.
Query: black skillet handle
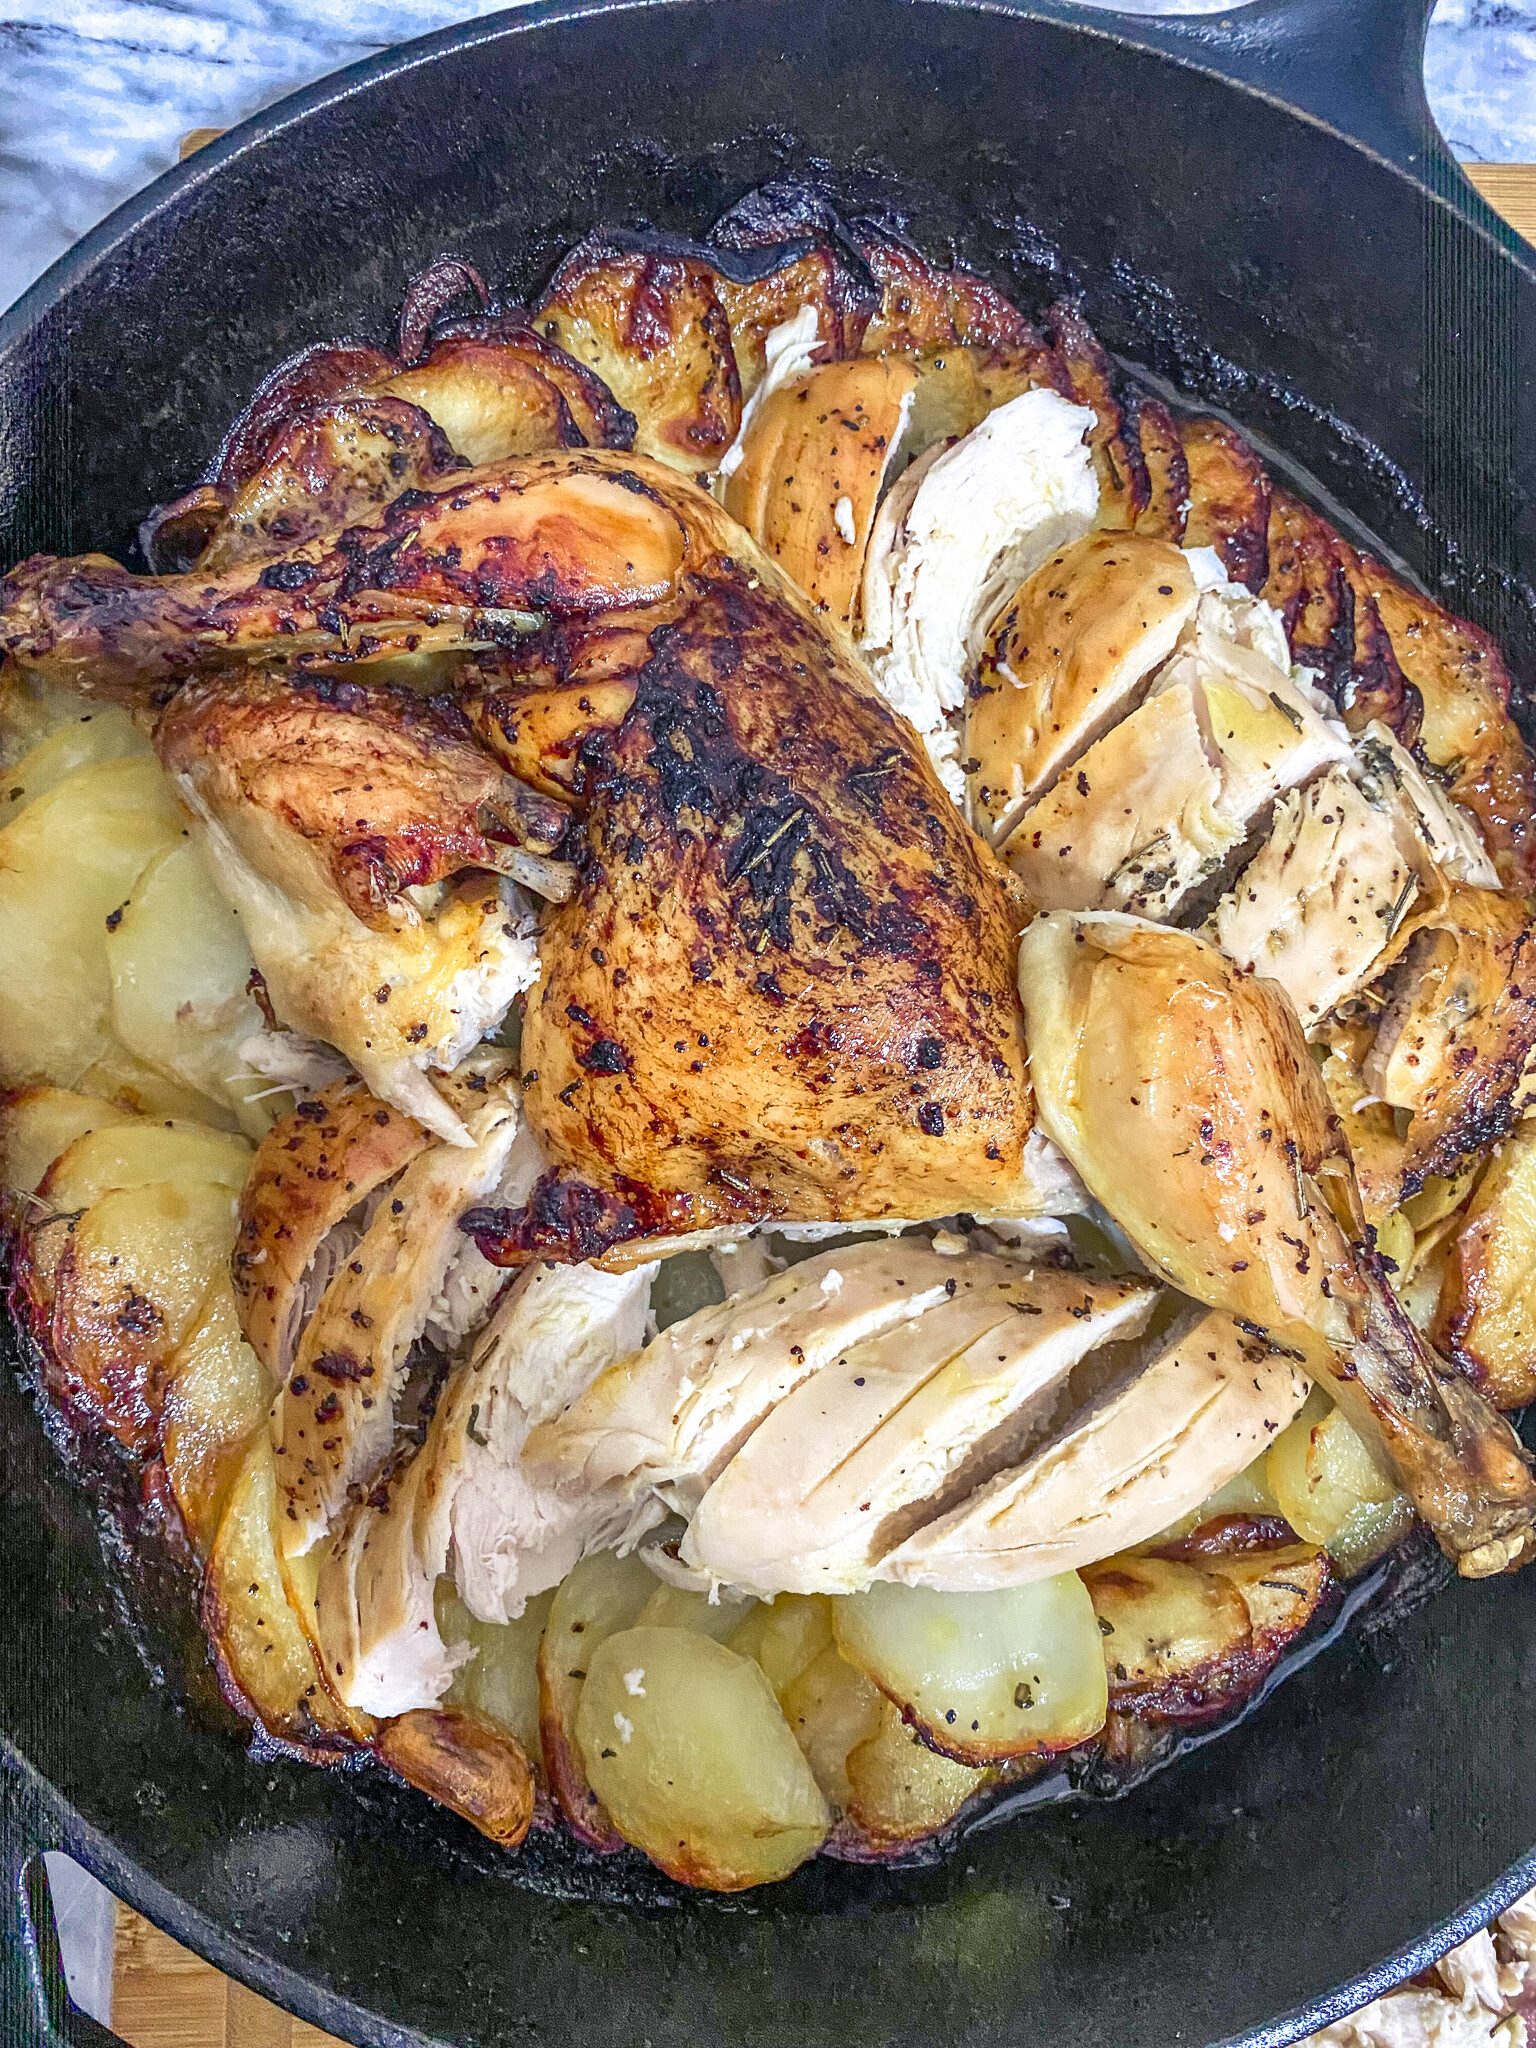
{"points": [[1356, 65], [36, 2010]]}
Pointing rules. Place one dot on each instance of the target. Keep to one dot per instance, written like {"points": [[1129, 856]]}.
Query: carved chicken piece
{"points": [[1068, 652], [499, 388], [651, 324], [1467, 731], [957, 532], [668, 1419], [1321, 589], [1346, 861], [466, 1502], [1457, 1027], [899, 1426], [333, 1419], [336, 821], [1153, 811], [1229, 497], [1183, 1093], [311, 1170], [814, 456], [1161, 1437]]}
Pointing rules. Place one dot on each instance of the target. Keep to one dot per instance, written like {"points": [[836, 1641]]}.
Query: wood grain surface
{"points": [[163, 1996]]}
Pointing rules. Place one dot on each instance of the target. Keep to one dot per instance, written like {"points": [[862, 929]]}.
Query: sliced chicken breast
{"points": [[1155, 810], [898, 1427], [668, 1418], [332, 1421], [466, 1500], [1152, 1445], [1069, 651], [963, 527]]}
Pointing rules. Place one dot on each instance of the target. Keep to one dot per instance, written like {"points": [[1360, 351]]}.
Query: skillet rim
{"points": [[34, 1816]]}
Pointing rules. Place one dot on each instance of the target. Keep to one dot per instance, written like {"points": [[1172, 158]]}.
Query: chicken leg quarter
{"points": [[1183, 1092]]}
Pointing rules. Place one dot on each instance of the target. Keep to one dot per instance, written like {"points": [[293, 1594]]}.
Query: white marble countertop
{"points": [[96, 94]]}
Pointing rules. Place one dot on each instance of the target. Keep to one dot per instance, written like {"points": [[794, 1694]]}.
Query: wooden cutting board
{"points": [[163, 1996]]}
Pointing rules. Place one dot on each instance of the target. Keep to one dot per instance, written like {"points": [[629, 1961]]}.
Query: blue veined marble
{"points": [[96, 94]]}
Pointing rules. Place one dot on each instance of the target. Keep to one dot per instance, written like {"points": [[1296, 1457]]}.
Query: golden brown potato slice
{"points": [[900, 1790], [1176, 1639], [37, 1124], [1467, 731], [265, 1660], [603, 1595], [822, 277], [67, 863], [309, 1171], [466, 1763], [112, 1295], [653, 328], [134, 1154], [1142, 471], [1067, 653], [983, 1675], [216, 1399], [685, 1745], [1485, 1318], [499, 388], [814, 458], [1280, 1588], [1228, 499]]}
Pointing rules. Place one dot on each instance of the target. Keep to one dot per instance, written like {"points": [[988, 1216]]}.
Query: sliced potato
{"points": [[133, 1155], [784, 1635], [130, 1281], [1331, 1490], [685, 1745], [31, 710], [264, 1655], [39, 1123], [216, 1399], [831, 1708], [501, 1680], [900, 1790], [96, 733], [181, 970], [603, 1594], [984, 1675], [674, 1607], [1280, 1589], [466, 1763], [1173, 1633], [1486, 1315], [122, 1077], [66, 864]]}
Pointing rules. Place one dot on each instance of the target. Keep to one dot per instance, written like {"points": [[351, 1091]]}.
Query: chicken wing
{"points": [[1183, 1093]]}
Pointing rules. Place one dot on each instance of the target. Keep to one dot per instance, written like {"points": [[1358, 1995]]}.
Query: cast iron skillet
{"points": [[1348, 299]]}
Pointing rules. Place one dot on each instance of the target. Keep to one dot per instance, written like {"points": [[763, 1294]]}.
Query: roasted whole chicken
{"points": [[772, 1053]]}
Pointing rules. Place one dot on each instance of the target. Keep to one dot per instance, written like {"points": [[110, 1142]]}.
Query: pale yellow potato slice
{"points": [[122, 1077], [96, 733], [831, 1708], [134, 1155], [604, 1594], [784, 1636], [265, 1657], [66, 864], [676, 1607], [501, 1680], [985, 1675], [216, 1400], [1332, 1491], [685, 1745], [38, 1124], [180, 971]]}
